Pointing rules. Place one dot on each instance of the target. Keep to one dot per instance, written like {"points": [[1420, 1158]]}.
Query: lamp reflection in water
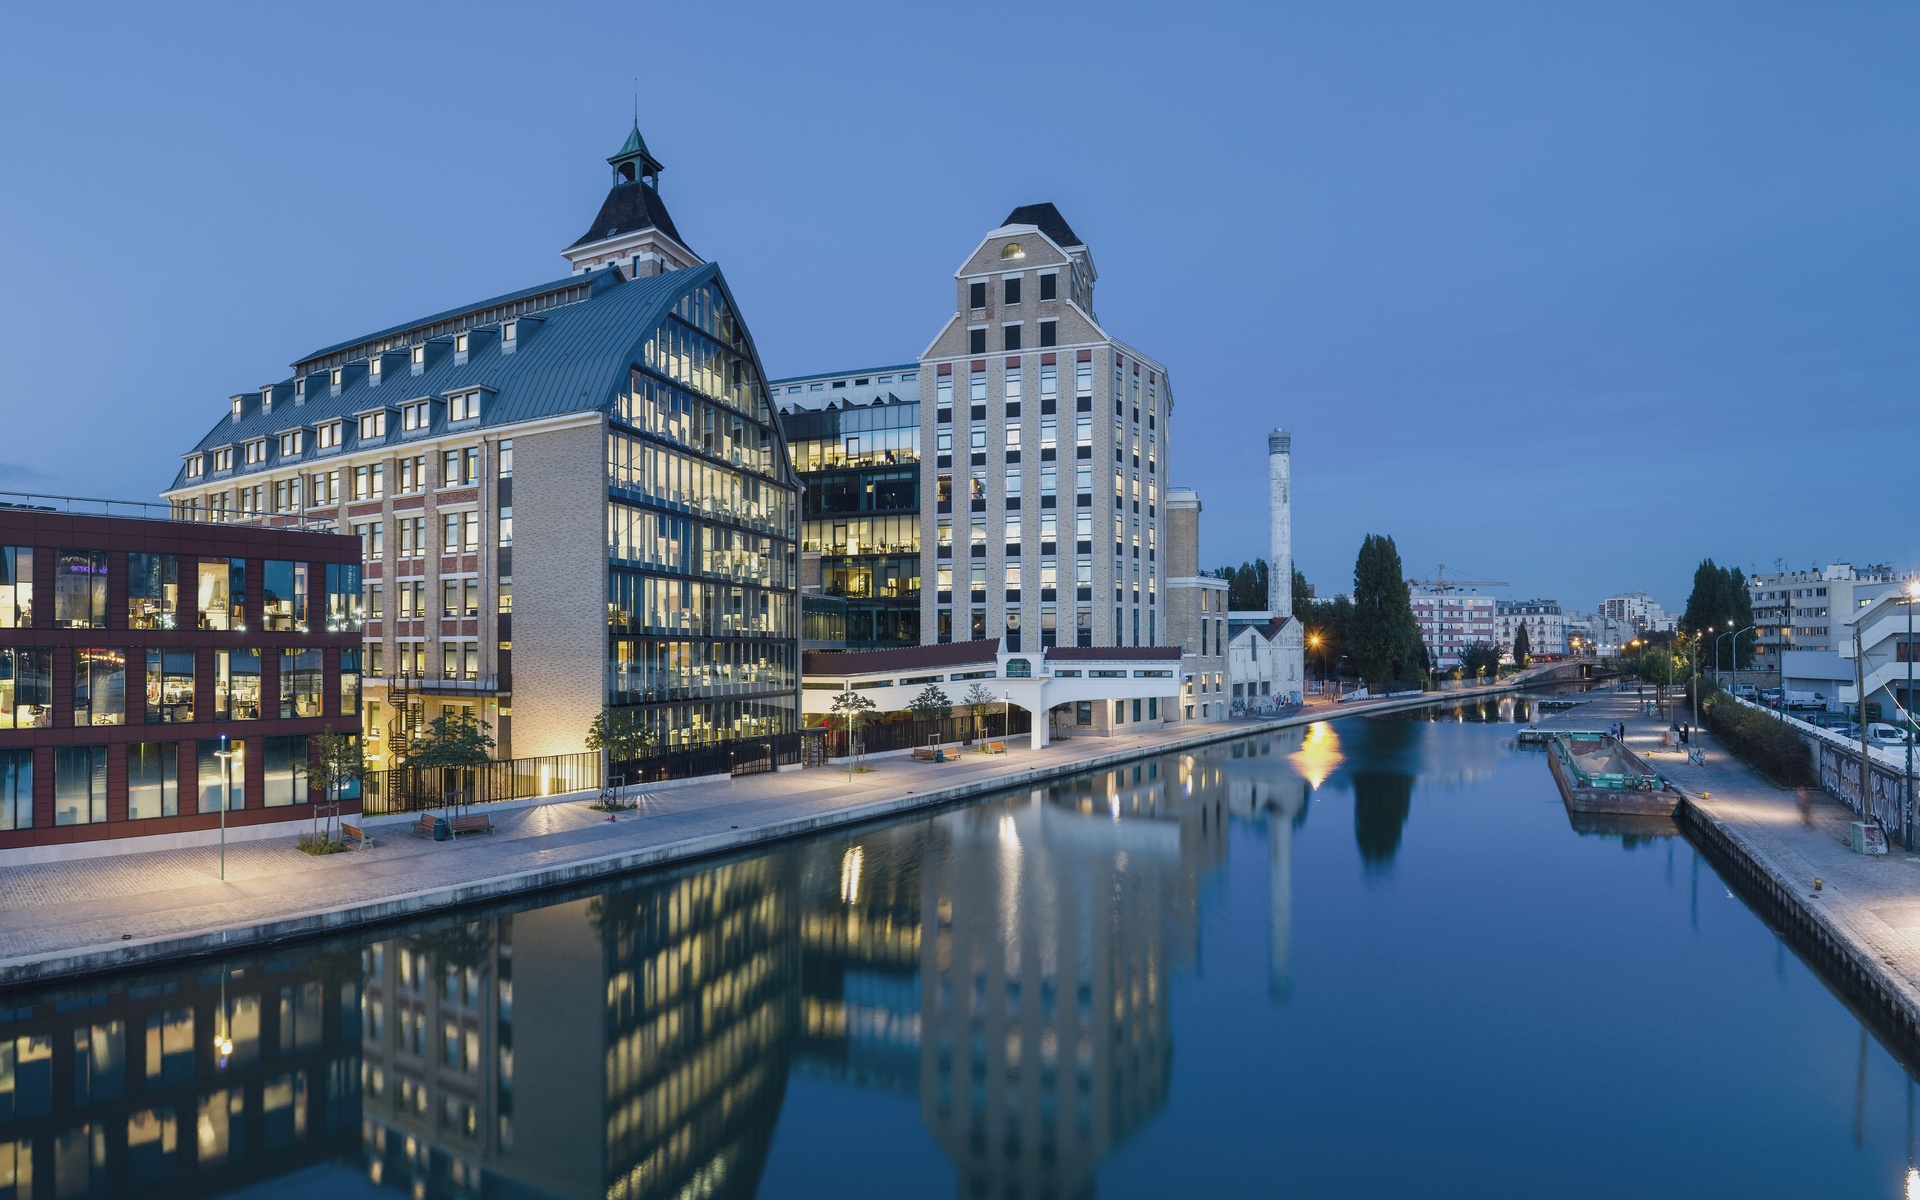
{"points": [[1319, 754]]}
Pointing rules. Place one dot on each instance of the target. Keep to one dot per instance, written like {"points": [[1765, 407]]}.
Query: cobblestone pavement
{"points": [[48, 911], [1798, 834]]}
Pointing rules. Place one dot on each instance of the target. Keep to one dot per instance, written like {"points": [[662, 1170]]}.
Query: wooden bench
{"points": [[426, 823], [996, 747], [931, 754], [353, 833], [475, 823]]}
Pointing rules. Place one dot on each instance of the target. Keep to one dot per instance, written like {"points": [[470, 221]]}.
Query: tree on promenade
{"points": [[1719, 603], [850, 706], [620, 736], [1385, 640], [1480, 660], [452, 742], [1522, 647], [978, 700], [341, 764], [931, 705]]}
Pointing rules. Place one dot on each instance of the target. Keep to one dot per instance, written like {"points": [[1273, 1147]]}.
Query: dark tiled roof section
{"points": [[1272, 628], [1048, 218], [907, 658], [576, 361], [630, 206], [1114, 654]]}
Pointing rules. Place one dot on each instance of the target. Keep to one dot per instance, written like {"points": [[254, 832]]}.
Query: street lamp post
{"points": [[225, 755], [1906, 712]]}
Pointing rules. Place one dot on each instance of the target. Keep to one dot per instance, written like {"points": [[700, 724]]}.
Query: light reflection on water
{"points": [[1193, 975]]}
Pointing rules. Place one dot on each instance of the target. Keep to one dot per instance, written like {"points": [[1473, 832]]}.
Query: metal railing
{"points": [[416, 789]]}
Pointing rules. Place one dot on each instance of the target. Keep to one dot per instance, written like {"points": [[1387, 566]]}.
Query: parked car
{"points": [[1846, 730], [1745, 691], [1879, 733], [1771, 696]]}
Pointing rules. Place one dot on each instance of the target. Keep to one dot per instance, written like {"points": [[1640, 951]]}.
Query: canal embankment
{"points": [[64, 920], [1788, 852]]}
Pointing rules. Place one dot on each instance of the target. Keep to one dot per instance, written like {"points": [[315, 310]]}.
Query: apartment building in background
{"points": [[1045, 457], [1545, 624], [154, 672], [1639, 610], [569, 496], [1452, 620], [1811, 609], [854, 438]]}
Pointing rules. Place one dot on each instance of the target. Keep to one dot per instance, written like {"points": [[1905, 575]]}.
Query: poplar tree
{"points": [[1384, 639]]}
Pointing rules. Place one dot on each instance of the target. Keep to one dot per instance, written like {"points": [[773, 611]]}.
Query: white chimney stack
{"points": [[1280, 515]]}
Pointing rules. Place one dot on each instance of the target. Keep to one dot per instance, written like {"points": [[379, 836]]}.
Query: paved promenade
{"points": [[91, 915], [1871, 904]]}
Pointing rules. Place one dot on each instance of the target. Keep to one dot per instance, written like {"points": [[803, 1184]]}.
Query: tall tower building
{"points": [[1280, 523], [1044, 455]]}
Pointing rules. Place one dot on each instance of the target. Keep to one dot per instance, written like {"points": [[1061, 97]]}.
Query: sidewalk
{"points": [[100, 914], [1872, 903]]}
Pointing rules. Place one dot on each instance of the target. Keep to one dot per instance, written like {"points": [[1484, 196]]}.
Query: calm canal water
{"points": [[1372, 958]]}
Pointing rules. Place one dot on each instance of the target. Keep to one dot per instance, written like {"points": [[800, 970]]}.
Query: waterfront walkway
{"points": [[1793, 835], [101, 913]]}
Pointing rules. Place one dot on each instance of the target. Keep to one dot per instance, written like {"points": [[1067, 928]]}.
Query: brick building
{"points": [[130, 646]]}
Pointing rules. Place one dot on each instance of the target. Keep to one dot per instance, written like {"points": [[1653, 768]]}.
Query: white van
{"points": [[1879, 733]]}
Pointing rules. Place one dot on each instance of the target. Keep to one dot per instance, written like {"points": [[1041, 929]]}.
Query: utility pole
{"points": [[1906, 712], [1860, 705]]}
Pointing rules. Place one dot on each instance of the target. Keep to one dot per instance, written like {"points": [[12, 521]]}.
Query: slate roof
{"points": [[628, 207], [1049, 220], [571, 358], [906, 658]]}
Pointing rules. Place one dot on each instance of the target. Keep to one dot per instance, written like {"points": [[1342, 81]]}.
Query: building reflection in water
{"points": [[628, 1046], [1006, 965], [1268, 783], [123, 1087]]}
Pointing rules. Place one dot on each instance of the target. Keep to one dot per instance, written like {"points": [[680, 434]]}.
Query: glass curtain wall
{"points": [[16, 587], [701, 528], [153, 591]]}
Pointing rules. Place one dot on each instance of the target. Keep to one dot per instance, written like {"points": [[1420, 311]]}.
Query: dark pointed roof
{"points": [[630, 206], [1048, 218], [634, 142]]}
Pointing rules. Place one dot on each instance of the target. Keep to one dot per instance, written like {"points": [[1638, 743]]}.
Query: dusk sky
{"points": [[1569, 296]]}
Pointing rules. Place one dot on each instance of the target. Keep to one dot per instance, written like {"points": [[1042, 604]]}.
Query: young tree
{"points": [[340, 763], [1522, 648], [978, 700], [931, 705], [452, 742], [1384, 637], [620, 736], [850, 706], [1480, 659]]}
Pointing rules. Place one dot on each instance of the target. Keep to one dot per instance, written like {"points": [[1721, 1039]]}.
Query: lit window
{"points": [[1013, 250], [330, 435], [373, 425], [290, 443], [463, 407], [223, 459], [459, 343], [196, 466]]}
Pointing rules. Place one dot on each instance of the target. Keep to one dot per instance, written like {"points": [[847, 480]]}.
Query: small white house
{"points": [[1266, 664]]}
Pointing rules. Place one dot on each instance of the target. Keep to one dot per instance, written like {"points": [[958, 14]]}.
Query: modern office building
{"points": [[1545, 624], [1047, 454], [155, 671], [854, 438], [1451, 620], [599, 453], [1196, 614]]}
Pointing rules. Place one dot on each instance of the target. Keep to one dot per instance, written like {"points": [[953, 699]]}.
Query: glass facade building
{"points": [[855, 442]]}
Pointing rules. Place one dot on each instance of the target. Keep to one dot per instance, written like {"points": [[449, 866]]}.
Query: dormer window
{"points": [[266, 399], [196, 466], [300, 388], [373, 366], [239, 405], [373, 425], [464, 407], [417, 415], [419, 356], [329, 435], [459, 343], [223, 459], [290, 443], [256, 452], [509, 331]]}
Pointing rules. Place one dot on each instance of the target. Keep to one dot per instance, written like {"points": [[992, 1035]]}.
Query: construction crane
{"points": [[1440, 582]]}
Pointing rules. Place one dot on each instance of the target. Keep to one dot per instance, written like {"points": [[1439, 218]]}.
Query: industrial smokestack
{"points": [[1280, 516]]}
